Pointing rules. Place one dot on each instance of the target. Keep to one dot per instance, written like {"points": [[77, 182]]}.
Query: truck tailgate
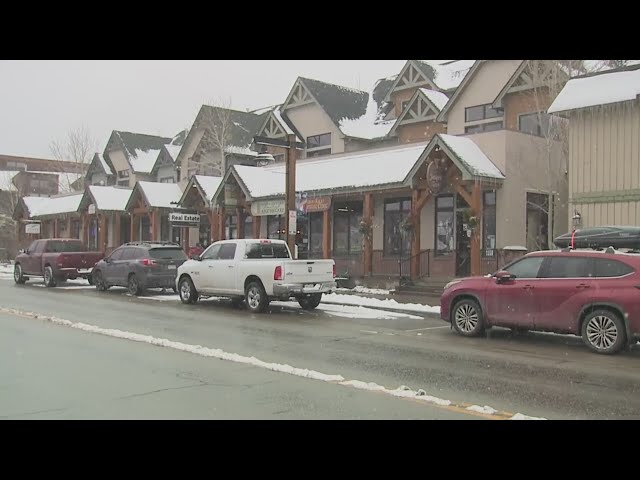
{"points": [[80, 260], [308, 271]]}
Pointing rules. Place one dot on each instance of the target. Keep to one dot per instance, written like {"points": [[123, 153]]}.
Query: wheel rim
{"points": [[466, 318], [17, 273], [253, 297], [47, 275], [602, 332], [133, 285], [185, 291]]}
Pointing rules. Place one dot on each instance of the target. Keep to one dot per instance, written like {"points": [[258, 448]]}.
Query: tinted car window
{"points": [[526, 268], [266, 250], [568, 267], [32, 247], [64, 247], [129, 253], [168, 253], [606, 267], [227, 251], [117, 254], [211, 253]]}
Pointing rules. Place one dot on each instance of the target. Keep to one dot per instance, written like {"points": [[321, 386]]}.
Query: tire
{"points": [[18, 277], [603, 331], [467, 318], [311, 301], [133, 286], [188, 293], [49, 277], [98, 281], [175, 290], [90, 279], [256, 298]]}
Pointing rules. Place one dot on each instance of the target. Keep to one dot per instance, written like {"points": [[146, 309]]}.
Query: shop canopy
{"points": [[106, 199]]}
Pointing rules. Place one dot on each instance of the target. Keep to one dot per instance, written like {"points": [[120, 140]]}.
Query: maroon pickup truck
{"points": [[57, 260]]}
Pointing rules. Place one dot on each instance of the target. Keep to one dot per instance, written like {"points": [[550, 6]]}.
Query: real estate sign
{"points": [[268, 207], [185, 219]]}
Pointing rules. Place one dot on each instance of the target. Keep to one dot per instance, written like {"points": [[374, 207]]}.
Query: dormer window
{"points": [[318, 145]]}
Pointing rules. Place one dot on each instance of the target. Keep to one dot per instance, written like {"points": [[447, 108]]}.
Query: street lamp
{"points": [[291, 145]]}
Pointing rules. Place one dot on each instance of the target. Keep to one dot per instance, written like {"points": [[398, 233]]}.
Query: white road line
{"points": [[402, 391], [427, 328]]}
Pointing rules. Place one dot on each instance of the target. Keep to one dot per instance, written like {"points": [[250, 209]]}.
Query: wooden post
{"points": [[116, 229], [256, 226], [290, 190], [213, 225], [55, 228], [368, 237], [133, 235], [240, 217], [102, 232], [222, 218], [415, 234], [185, 239], [476, 209], [84, 234], [153, 220], [326, 234]]}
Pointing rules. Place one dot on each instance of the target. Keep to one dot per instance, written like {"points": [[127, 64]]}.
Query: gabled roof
{"points": [[612, 86], [425, 71], [140, 149], [166, 157], [433, 99], [442, 116], [106, 199], [46, 206], [206, 186], [465, 154], [156, 195], [449, 75], [99, 164]]}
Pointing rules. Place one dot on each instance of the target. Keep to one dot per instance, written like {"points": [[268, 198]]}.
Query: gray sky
{"points": [[42, 100]]}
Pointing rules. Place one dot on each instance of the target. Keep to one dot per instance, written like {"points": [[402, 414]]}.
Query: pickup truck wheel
{"points": [[133, 286], [188, 293], [256, 298], [17, 274], [309, 302], [49, 277]]}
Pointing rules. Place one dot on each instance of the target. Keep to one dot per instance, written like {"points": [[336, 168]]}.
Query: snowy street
{"points": [[72, 352]]}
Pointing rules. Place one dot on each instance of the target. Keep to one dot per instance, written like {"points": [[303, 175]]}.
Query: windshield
{"points": [[167, 253], [65, 247]]}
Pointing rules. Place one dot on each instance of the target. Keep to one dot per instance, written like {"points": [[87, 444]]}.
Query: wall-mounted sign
{"points": [[268, 207], [92, 209], [436, 172], [185, 219], [231, 195], [293, 217], [317, 204], [32, 228]]}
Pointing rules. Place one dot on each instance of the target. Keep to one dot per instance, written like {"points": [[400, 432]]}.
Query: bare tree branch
{"points": [[78, 147]]}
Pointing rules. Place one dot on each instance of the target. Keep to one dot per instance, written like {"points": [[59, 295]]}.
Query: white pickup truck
{"points": [[257, 271]]}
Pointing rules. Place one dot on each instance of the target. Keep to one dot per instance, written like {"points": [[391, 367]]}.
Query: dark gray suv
{"points": [[140, 265]]}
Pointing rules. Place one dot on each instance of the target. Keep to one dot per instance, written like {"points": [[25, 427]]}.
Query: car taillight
{"points": [[277, 273], [148, 262], [334, 270]]}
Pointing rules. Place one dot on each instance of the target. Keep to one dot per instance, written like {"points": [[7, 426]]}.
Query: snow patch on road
{"points": [[520, 416], [365, 290], [353, 311], [486, 409], [377, 303]]}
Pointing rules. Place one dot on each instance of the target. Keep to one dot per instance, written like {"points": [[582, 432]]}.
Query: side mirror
{"points": [[22, 250], [503, 277], [197, 258], [107, 260]]}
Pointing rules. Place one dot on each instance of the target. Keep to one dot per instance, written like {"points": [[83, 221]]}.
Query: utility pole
{"points": [[291, 226]]}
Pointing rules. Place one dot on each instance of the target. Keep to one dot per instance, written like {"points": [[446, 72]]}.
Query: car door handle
{"points": [[583, 285], [527, 287]]}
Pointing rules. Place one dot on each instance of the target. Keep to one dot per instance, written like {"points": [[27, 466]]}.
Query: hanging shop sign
{"points": [[436, 172], [293, 220], [32, 228], [231, 195], [317, 204], [268, 207], [184, 219]]}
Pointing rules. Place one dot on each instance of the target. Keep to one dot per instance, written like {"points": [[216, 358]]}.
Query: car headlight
{"points": [[451, 284]]}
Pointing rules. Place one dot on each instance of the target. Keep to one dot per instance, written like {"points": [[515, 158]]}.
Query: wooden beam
{"points": [[153, 220], [222, 218], [422, 201], [69, 227], [464, 194], [240, 217], [416, 207], [102, 232], [326, 234], [116, 229], [476, 209], [140, 210], [368, 238], [134, 233], [256, 226]]}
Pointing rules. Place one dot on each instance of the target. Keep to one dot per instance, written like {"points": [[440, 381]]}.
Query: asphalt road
{"points": [[53, 371]]}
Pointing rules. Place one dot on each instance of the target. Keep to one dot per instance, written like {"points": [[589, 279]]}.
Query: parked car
{"points": [[592, 294], [56, 260], [257, 271], [140, 265]]}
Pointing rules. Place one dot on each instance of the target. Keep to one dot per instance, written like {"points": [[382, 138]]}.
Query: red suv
{"points": [[580, 292]]}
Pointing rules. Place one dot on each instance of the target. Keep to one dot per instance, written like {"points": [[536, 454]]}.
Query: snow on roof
{"points": [[602, 89], [471, 156], [104, 164], [208, 184], [361, 169], [449, 75], [161, 195], [110, 198], [369, 125], [241, 150], [438, 99], [6, 179], [287, 128], [143, 160], [173, 150], [40, 206]]}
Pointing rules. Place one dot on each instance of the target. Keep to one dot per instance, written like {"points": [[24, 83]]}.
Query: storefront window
{"points": [[275, 227], [231, 227], [444, 225], [204, 234], [145, 228], [165, 228], [396, 241], [489, 223], [309, 238], [75, 228], [347, 239], [248, 226]]}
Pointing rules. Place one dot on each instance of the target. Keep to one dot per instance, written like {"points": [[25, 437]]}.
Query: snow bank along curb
{"points": [[388, 303], [402, 391]]}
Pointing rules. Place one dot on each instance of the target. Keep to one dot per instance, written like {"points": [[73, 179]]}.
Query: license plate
{"points": [[171, 267], [311, 286]]}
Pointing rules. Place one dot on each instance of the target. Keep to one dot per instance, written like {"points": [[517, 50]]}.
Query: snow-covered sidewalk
{"points": [[386, 304]]}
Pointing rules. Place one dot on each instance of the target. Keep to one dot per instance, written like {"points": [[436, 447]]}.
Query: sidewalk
{"points": [[421, 304]]}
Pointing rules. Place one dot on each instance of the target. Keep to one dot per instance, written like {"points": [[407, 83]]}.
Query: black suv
{"points": [[140, 265]]}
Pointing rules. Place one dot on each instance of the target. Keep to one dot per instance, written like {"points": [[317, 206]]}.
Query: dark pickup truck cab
{"points": [[56, 260]]}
